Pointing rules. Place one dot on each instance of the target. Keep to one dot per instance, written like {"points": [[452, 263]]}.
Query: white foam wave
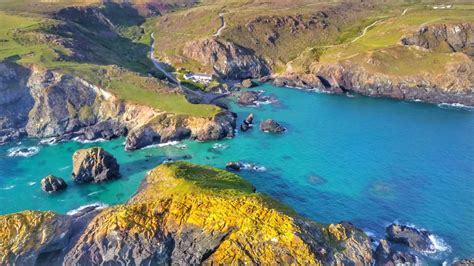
{"points": [[94, 193], [64, 168], [97, 205], [181, 146], [23, 151], [438, 244], [7, 187], [220, 146], [253, 167], [49, 141], [86, 141], [456, 106], [31, 183], [159, 145]]}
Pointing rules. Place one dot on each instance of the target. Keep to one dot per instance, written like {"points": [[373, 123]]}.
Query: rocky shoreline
{"points": [[43, 104]]}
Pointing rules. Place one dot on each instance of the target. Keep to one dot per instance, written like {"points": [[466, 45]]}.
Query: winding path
{"points": [[222, 27]]}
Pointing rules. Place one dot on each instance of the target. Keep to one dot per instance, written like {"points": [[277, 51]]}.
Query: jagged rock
{"points": [[464, 262], [271, 126], [94, 165], [457, 37], [108, 130], [247, 83], [52, 184], [385, 256], [412, 237], [248, 97], [247, 124], [141, 137], [221, 126], [249, 119], [228, 60], [234, 166]]}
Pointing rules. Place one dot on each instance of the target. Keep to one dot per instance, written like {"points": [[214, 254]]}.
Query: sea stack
{"points": [[271, 126], [94, 165], [52, 184]]}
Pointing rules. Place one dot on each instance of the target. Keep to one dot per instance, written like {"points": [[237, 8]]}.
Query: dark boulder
{"points": [[249, 119], [271, 126], [248, 97], [94, 165], [385, 256], [236, 166], [412, 237], [52, 184], [244, 127]]}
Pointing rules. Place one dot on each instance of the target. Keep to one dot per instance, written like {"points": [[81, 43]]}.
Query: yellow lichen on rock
{"points": [[337, 231]]}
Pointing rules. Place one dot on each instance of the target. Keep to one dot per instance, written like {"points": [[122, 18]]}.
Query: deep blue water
{"points": [[365, 160]]}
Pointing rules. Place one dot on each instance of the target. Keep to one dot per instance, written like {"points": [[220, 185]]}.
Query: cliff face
{"points": [[365, 74], [456, 85], [227, 59], [42, 103], [186, 214], [445, 37]]}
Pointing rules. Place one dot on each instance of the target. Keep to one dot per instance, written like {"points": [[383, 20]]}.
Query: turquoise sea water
{"points": [[369, 161]]}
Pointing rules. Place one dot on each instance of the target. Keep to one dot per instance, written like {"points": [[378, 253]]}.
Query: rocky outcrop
{"points": [[236, 166], [177, 218], [247, 123], [39, 103], [464, 262], [228, 60], [412, 237], [455, 85], [271, 126], [248, 97], [247, 83], [446, 37], [94, 165], [385, 256], [52, 184]]}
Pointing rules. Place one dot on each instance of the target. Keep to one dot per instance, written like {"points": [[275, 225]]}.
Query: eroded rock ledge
{"points": [[182, 214]]}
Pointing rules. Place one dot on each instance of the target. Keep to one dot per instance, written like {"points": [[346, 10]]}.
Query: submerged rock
{"points": [[52, 184], [385, 256], [271, 126], [94, 165], [464, 262], [412, 237]]}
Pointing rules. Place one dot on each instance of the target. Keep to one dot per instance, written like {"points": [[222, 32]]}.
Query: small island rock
{"points": [[247, 124], [94, 165], [52, 184], [412, 237], [271, 126], [236, 166]]}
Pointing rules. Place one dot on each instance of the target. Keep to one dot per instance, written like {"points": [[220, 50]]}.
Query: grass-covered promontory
{"points": [[185, 214], [103, 44]]}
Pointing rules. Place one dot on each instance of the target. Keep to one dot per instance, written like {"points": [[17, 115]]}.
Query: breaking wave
{"points": [[96, 206], [23, 151]]}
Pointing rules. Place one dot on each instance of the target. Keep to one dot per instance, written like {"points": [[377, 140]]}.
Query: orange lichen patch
{"points": [[180, 196], [27, 231], [337, 231]]}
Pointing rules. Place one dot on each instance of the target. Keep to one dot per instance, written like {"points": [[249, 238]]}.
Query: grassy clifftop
{"points": [[103, 44]]}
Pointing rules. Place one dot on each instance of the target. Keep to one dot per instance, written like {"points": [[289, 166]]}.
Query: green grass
{"points": [[22, 40]]}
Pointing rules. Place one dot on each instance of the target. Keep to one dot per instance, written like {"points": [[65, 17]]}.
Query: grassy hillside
{"points": [[114, 57]]}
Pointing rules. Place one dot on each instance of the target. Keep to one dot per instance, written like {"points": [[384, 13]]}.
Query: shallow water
{"points": [[369, 161]]}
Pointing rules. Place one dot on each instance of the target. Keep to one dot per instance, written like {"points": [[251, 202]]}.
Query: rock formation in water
{"points": [[178, 218], [52, 184], [228, 60], [248, 97], [94, 165], [412, 237], [271, 126], [384, 255]]}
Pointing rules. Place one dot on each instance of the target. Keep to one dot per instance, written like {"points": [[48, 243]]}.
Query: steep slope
{"points": [[186, 214]]}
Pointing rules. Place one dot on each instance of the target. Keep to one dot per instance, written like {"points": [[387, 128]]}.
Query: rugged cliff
{"points": [[182, 214], [228, 60], [41, 103]]}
